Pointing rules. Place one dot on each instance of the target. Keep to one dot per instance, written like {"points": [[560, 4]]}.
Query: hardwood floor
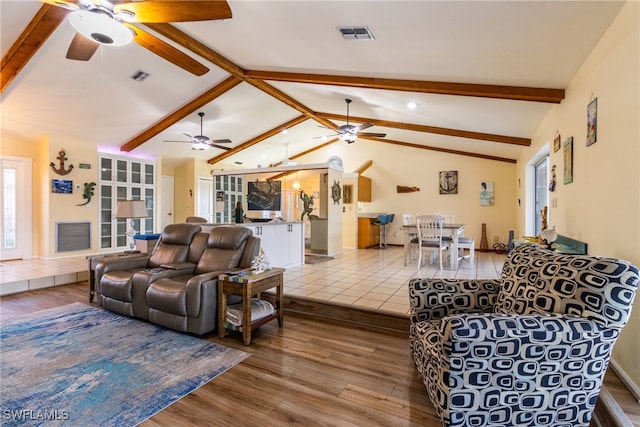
{"points": [[312, 372]]}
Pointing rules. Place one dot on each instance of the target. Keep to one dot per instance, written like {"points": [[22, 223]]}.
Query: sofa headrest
{"points": [[179, 234], [228, 237]]}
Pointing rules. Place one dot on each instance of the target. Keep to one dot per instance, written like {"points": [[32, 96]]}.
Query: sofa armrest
{"points": [[432, 299], [112, 264], [194, 291]]}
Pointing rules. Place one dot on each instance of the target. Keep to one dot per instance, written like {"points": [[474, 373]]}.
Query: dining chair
{"points": [[463, 242], [410, 237], [430, 236]]}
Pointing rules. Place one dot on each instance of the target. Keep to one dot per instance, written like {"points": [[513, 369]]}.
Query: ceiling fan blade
{"points": [[154, 11], [81, 48], [364, 126], [219, 141], [185, 142], [222, 147], [377, 135], [187, 135], [166, 51], [326, 136]]}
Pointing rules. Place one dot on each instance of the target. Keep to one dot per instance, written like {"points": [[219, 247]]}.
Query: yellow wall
{"points": [[601, 205], [394, 165], [64, 207], [184, 191]]}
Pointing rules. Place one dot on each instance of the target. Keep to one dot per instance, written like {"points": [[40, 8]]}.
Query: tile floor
{"points": [[371, 278]]}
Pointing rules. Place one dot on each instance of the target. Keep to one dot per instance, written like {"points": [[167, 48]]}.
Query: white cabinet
{"points": [[282, 242]]}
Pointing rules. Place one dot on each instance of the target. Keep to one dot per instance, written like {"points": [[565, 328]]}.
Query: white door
{"points": [[15, 208], [205, 199], [166, 208]]}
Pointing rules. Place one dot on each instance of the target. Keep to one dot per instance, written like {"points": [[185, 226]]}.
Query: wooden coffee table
{"points": [[248, 286]]}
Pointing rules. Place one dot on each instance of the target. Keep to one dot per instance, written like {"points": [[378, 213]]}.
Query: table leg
{"points": [[246, 314], [280, 301], [222, 311], [92, 285]]}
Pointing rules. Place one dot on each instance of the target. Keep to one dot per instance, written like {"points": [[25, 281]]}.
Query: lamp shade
{"points": [[131, 209]]}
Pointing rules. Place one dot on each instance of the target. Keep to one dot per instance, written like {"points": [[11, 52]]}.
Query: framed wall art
{"points": [[449, 182], [567, 148], [61, 186], [486, 193], [592, 121], [556, 143]]}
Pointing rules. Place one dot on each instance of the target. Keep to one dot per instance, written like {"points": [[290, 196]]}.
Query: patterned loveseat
{"points": [[530, 349]]}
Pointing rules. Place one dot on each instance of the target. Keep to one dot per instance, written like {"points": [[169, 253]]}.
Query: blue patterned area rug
{"points": [[80, 365]]}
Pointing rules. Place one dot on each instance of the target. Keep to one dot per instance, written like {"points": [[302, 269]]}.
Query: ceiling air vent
{"points": [[356, 33], [139, 75], [237, 163]]}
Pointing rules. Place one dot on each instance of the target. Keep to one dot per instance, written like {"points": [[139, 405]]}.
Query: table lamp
{"points": [[129, 209]]}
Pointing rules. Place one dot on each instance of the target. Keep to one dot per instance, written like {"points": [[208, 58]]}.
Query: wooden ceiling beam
{"points": [[183, 39], [440, 149], [526, 142], [174, 117], [43, 24], [268, 134], [366, 165], [517, 93]]}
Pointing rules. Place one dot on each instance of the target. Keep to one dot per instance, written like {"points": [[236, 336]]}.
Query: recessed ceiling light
{"points": [[412, 105]]}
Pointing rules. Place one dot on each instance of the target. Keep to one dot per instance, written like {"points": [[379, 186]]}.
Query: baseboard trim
{"points": [[626, 379], [608, 412]]}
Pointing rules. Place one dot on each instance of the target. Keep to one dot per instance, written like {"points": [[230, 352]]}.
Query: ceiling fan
{"points": [[110, 23], [349, 133], [202, 142]]}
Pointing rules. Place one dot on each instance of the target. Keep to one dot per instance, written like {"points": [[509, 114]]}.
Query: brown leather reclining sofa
{"points": [[176, 286]]}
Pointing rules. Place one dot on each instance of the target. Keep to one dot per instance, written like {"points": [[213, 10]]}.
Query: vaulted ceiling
{"points": [[483, 75]]}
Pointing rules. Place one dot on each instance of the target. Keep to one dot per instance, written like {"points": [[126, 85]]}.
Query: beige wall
{"points": [[394, 165], [601, 205], [184, 200]]}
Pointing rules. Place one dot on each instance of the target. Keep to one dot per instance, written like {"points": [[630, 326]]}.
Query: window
{"points": [[132, 179], [541, 192]]}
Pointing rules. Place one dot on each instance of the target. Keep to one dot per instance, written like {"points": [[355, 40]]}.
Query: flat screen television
{"points": [[264, 195]]}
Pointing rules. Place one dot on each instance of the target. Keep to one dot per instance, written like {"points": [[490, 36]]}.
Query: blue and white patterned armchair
{"points": [[530, 349]]}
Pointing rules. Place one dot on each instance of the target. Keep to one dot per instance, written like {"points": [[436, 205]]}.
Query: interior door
{"points": [[166, 208], [15, 208], [205, 199]]}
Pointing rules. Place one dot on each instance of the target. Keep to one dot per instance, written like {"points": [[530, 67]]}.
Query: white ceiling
{"points": [[518, 43]]}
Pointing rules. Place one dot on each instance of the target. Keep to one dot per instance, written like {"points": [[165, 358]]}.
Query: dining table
{"points": [[451, 230]]}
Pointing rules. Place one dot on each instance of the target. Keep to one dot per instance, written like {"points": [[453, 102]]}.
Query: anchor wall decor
{"points": [[62, 156]]}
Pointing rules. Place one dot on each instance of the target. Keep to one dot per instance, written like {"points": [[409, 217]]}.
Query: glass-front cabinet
{"points": [[124, 179], [228, 191]]}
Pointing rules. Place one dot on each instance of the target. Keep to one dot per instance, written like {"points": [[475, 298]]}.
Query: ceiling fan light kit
{"points": [[349, 133], [348, 137], [100, 27], [203, 142]]}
